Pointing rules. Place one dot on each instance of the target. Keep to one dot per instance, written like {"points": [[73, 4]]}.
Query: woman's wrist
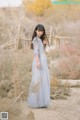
{"points": [[38, 63]]}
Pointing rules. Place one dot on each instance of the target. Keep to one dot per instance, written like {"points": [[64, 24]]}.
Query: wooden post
{"points": [[50, 34], [56, 41]]}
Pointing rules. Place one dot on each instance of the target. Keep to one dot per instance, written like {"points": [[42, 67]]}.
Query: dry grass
{"points": [[15, 112], [64, 61], [16, 70], [15, 67], [57, 90]]}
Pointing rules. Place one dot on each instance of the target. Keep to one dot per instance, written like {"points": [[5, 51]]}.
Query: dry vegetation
{"points": [[37, 7], [15, 71], [15, 66], [65, 61]]}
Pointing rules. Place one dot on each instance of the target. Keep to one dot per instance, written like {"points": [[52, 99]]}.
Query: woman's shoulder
{"points": [[35, 41]]}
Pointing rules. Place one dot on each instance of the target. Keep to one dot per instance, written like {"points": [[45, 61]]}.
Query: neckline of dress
{"points": [[38, 38]]}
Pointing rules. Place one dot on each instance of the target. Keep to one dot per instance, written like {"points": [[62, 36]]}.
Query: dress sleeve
{"points": [[35, 47]]}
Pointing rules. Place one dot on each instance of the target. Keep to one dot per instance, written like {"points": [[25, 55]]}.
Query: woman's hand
{"points": [[45, 42], [38, 65]]}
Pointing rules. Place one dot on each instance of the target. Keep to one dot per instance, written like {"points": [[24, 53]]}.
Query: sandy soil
{"points": [[58, 110], [65, 109]]}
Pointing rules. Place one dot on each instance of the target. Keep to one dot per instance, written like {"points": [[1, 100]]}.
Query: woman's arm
{"points": [[37, 61], [36, 52]]}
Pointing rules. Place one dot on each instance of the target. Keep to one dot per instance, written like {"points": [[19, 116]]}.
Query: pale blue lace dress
{"points": [[39, 91]]}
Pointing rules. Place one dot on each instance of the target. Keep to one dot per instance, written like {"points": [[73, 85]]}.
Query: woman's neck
{"points": [[38, 36]]}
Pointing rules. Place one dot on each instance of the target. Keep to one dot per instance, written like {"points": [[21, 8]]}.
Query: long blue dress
{"points": [[39, 91]]}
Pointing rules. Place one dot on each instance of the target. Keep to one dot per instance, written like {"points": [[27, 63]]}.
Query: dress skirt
{"points": [[39, 90]]}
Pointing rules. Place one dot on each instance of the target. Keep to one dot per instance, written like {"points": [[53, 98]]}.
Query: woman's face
{"points": [[39, 33]]}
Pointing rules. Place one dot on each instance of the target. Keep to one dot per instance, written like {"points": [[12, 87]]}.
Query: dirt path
{"points": [[66, 109], [59, 109]]}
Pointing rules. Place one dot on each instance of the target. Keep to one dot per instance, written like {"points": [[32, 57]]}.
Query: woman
{"points": [[39, 91]]}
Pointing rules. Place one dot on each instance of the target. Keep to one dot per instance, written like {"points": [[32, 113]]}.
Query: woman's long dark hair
{"points": [[39, 27]]}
